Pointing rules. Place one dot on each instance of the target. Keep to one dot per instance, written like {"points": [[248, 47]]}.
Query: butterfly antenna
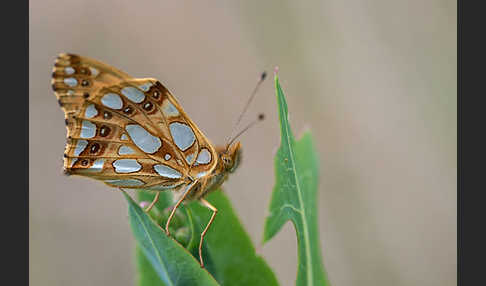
{"points": [[260, 117], [250, 99]]}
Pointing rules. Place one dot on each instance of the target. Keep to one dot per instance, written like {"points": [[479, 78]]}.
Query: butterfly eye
{"points": [[86, 95], [156, 94], [84, 162], [226, 160], [84, 82]]}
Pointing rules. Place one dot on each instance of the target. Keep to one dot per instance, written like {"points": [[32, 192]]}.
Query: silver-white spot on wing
{"points": [[190, 157], [124, 137], [182, 134], [126, 166], [201, 174], [94, 72], [80, 146], [125, 150], [91, 111], [133, 94], [70, 92], [143, 139], [169, 110], [73, 161], [204, 156], [97, 166], [88, 129], [166, 171], [125, 183], [71, 81], [146, 86], [167, 157], [68, 70], [112, 100]]}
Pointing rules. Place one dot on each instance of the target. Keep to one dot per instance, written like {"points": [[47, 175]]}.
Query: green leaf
{"points": [[233, 255], [173, 264], [146, 275], [229, 254], [294, 197], [181, 221]]}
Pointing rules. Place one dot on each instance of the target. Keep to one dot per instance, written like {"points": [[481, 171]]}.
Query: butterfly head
{"points": [[231, 157]]}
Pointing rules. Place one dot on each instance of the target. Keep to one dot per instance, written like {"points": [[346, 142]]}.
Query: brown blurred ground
{"points": [[375, 81]]}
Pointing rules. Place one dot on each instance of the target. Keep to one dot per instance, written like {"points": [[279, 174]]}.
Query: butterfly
{"points": [[131, 133]]}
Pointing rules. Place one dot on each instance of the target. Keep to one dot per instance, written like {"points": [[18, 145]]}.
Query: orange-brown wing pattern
{"points": [[127, 132], [75, 78], [198, 152]]}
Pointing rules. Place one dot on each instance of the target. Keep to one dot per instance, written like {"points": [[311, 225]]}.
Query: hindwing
{"points": [[127, 132]]}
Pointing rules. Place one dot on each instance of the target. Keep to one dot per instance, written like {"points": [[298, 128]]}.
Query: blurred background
{"points": [[375, 80]]}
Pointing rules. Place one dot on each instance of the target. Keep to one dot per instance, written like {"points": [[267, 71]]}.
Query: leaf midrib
{"points": [[301, 201]]}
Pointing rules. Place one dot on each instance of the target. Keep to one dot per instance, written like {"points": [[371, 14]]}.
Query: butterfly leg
{"points": [[215, 211], [186, 192], [152, 204]]}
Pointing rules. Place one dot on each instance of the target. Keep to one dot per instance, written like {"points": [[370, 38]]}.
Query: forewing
{"points": [[75, 78]]}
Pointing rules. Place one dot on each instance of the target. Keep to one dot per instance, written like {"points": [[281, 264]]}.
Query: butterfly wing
{"points": [[127, 132], [75, 78], [199, 154]]}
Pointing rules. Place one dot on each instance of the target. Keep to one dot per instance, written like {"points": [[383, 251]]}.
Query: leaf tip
{"points": [[125, 194], [306, 130], [130, 200], [275, 73]]}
